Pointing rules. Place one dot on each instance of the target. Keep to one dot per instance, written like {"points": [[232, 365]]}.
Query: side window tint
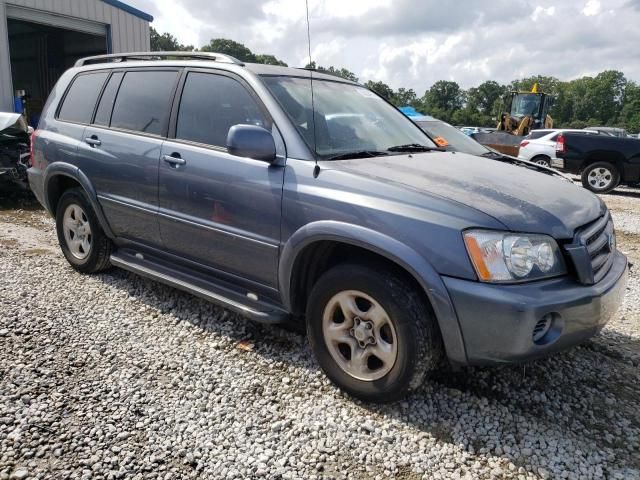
{"points": [[143, 101], [81, 98], [105, 107], [210, 105]]}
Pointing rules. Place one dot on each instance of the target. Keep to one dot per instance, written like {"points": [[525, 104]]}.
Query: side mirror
{"points": [[251, 141]]}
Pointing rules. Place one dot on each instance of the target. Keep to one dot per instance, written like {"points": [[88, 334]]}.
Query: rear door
{"points": [[121, 149], [217, 209], [61, 136]]}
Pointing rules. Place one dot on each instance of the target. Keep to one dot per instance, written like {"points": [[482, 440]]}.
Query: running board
{"points": [[256, 310]]}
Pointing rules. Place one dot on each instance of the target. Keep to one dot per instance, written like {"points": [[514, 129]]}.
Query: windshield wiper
{"points": [[414, 147], [357, 154]]}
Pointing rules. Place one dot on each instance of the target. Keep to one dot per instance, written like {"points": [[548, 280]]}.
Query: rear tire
{"points": [[600, 177], [542, 160], [83, 243], [372, 333]]}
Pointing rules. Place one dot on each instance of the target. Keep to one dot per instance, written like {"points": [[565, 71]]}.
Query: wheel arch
{"points": [[609, 157], [310, 251], [59, 177], [540, 155]]}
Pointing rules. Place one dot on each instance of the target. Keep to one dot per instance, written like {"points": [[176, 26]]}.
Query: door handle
{"points": [[93, 141], [174, 159]]}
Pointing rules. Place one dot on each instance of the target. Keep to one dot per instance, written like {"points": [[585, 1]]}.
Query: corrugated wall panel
{"points": [[128, 32], [6, 87]]}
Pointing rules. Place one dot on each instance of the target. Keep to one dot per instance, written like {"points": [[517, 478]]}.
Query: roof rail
{"points": [[123, 57]]}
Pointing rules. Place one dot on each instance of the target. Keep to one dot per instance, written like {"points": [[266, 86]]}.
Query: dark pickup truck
{"points": [[603, 162]]}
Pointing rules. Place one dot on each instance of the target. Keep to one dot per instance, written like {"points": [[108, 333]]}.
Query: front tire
{"points": [[83, 243], [600, 177], [372, 333]]}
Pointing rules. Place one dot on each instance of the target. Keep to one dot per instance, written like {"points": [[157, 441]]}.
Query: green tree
{"points": [[630, 112], [338, 72], [444, 95], [230, 47], [380, 88], [403, 97], [607, 95], [546, 84], [483, 97], [166, 42], [269, 60]]}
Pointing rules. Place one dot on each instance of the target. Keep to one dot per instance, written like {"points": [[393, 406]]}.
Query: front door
{"points": [[217, 209]]}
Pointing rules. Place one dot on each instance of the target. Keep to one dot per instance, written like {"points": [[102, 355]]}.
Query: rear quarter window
{"points": [[80, 100], [537, 134]]}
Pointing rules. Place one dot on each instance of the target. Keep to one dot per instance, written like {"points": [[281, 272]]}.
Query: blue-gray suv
{"points": [[291, 196]]}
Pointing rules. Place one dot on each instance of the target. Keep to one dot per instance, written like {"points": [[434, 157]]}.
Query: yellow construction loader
{"points": [[526, 111]]}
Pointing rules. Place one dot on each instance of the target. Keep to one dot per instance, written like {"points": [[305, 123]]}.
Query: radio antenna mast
{"points": [[316, 170]]}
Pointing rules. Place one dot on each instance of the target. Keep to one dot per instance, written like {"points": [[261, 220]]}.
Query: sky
{"points": [[414, 43]]}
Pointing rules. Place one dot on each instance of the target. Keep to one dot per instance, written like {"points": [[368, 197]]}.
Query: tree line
{"points": [[608, 99]]}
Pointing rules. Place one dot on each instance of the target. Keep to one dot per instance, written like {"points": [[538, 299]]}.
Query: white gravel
{"points": [[113, 376]]}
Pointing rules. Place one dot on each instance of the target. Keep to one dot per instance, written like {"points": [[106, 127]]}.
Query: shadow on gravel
{"points": [[14, 197], [584, 400]]}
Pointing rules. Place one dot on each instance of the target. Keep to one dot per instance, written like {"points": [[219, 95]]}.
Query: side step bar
{"points": [[259, 311]]}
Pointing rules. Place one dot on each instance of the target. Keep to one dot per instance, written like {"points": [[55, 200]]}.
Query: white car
{"points": [[540, 145]]}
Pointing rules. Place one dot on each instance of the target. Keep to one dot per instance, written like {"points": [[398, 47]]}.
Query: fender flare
{"points": [[397, 252], [57, 169]]}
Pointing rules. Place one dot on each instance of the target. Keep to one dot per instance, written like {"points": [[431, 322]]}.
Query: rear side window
{"points": [[143, 101], [105, 107], [538, 134], [81, 97], [210, 105]]}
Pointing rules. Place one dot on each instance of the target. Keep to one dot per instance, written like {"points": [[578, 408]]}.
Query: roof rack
{"points": [[123, 57]]}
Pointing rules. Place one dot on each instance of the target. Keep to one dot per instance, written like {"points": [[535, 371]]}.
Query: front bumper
{"points": [[497, 321]]}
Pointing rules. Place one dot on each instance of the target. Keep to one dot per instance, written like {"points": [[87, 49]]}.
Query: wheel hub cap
{"points": [[77, 231], [359, 335], [600, 178], [362, 331]]}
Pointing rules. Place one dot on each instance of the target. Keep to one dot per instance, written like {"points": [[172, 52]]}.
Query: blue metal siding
{"points": [[129, 9]]}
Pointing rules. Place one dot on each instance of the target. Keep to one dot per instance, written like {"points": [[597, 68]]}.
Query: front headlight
{"points": [[512, 257]]}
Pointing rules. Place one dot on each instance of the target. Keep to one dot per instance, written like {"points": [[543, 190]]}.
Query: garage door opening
{"points": [[40, 53]]}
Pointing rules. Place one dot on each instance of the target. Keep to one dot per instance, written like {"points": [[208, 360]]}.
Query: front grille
{"points": [[594, 244]]}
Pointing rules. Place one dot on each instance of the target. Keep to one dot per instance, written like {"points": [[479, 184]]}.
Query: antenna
{"points": [[316, 169]]}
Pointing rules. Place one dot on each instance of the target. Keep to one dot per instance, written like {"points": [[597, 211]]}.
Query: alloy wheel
{"points": [[77, 231], [600, 178], [359, 335]]}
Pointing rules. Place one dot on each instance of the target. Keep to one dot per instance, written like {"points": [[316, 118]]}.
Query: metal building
{"points": [[40, 39]]}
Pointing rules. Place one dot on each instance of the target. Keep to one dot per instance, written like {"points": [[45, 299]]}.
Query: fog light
{"points": [[542, 328]]}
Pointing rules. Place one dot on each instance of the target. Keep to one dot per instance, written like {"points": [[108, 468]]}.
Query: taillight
{"points": [[560, 146], [524, 143], [32, 152]]}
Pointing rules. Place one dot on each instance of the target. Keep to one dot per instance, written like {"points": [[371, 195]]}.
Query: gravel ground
{"points": [[113, 376]]}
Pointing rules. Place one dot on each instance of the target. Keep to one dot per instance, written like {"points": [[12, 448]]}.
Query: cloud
{"points": [[413, 43], [591, 8]]}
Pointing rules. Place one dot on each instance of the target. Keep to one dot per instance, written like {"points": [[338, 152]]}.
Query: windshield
{"points": [[450, 138], [348, 118], [526, 104]]}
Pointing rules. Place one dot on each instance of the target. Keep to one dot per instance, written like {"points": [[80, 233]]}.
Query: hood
{"points": [[522, 199]]}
